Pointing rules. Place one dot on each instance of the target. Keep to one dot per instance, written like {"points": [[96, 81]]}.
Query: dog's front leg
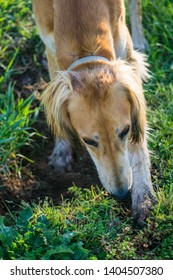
{"points": [[142, 189], [61, 158], [135, 12]]}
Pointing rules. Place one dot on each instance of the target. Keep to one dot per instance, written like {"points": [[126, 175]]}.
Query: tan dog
{"points": [[97, 98]]}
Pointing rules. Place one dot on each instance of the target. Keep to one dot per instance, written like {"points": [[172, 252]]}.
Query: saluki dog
{"points": [[95, 96]]}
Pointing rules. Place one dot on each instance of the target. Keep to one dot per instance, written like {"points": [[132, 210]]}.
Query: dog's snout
{"points": [[121, 195]]}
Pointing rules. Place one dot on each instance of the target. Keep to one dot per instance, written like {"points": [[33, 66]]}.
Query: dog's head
{"points": [[102, 107]]}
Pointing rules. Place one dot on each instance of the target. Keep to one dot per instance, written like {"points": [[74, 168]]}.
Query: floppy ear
{"points": [[130, 80], [138, 117], [55, 99]]}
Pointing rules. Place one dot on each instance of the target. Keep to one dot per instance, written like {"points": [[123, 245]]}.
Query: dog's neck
{"points": [[84, 31], [87, 59]]}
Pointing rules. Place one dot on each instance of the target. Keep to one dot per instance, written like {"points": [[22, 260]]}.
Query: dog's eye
{"points": [[123, 133], [90, 142]]}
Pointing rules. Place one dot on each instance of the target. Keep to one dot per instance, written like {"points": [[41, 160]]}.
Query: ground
{"points": [[38, 180]]}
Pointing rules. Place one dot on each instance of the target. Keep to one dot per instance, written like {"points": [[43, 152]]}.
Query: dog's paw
{"points": [[141, 206], [61, 158]]}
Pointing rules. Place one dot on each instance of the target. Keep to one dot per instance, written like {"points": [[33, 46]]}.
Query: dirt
{"points": [[38, 181]]}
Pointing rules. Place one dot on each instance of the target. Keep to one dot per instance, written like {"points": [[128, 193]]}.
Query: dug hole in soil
{"points": [[39, 181]]}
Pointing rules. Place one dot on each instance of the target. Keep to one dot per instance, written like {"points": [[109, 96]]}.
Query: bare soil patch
{"points": [[37, 180]]}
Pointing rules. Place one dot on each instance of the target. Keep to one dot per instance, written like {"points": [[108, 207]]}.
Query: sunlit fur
{"points": [[97, 100], [65, 85], [109, 82], [55, 100]]}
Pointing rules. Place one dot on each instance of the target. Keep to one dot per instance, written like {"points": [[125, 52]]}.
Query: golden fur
{"points": [[94, 84], [101, 104]]}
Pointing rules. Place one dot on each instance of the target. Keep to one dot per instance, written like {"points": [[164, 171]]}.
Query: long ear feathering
{"points": [[55, 100], [138, 118], [140, 64], [131, 82]]}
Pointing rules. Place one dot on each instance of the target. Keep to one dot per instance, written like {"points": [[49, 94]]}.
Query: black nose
{"points": [[122, 196]]}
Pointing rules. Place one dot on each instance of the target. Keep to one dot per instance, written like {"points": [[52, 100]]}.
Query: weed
{"points": [[15, 131], [17, 114], [92, 225]]}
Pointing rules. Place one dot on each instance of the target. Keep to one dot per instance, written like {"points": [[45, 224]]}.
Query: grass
{"points": [[160, 89], [15, 131], [92, 225], [17, 114]]}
